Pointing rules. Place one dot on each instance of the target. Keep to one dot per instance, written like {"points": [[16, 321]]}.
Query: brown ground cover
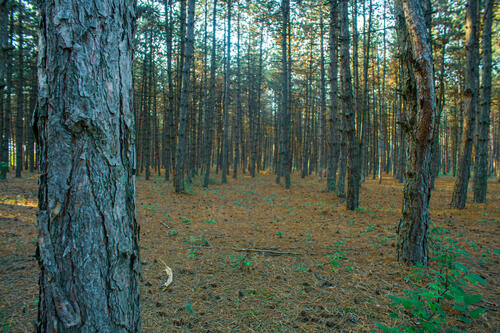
{"points": [[218, 288]]}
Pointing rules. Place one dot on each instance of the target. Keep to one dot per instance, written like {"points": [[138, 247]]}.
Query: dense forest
{"points": [[348, 95], [265, 94]]}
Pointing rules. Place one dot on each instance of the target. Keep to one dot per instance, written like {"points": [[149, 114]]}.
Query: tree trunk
{"points": [[333, 136], [7, 54], [239, 109], [353, 176], [284, 156], [470, 95], [415, 216], [183, 112], [481, 168], [322, 119], [88, 239], [4, 40], [227, 82], [209, 116], [364, 128]]}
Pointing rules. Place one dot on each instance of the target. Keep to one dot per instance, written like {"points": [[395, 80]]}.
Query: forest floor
{"points": [[218, 287]]}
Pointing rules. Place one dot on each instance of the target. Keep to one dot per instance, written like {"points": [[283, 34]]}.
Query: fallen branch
{"points": [[165, 225], [268, 251]]}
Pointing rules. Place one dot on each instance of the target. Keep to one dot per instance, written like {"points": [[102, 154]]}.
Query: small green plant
{"points": [[192, 253], [370, 228], [299, 267], [279, 218], [185, 219], [173, 232], [447, 281], [241, 263], [338, 259], [210, 222], [279, 233], [308, 238]]}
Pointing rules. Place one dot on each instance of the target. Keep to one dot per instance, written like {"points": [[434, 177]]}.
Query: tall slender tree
{"points": [[180, 159], [209, 116], [227, 82], [333, 137], [284, 155], [470, 95], [19, 91], [481, 165], [353, 167]]}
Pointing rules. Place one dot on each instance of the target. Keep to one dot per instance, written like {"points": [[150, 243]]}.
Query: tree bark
{"points": [[481, 167], [88, 239], [470, 95], [19, 92], [415, 216], [353, 167], [333, 137], [6, 131], [284, 156], [209, 116], [227, 82], [183, 113]]}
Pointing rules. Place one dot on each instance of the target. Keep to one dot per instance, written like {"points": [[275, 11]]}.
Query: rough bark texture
{"points": [[333, 137], [88, 240], [415, 216], [284, 156], [353, 172], [183, 113], [7, 83], [470, 95], [322, 118], [4, 39], [19, 93], [227, 82], [209, 116], [481, 169]]}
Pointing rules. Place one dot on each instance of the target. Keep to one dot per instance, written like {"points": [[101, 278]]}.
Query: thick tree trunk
{"points": [[481, 167], [183, 113], [470, 95], [353, 167], [415, 216], [88, 240]]}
